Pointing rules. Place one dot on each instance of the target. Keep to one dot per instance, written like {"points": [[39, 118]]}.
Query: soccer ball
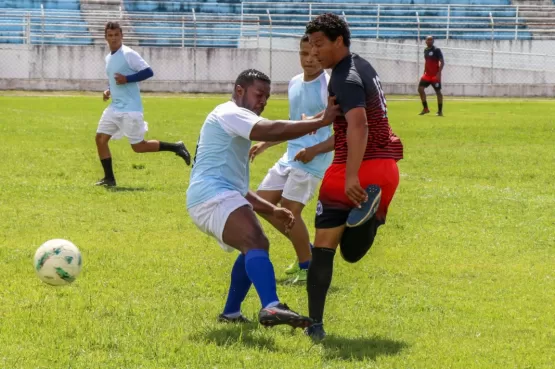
{"points": [[57, 262]]}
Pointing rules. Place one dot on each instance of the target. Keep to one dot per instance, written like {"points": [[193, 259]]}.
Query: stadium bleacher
{"points": [[169, 23], [58, 22]]}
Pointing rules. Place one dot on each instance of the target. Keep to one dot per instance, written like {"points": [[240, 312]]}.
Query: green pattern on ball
{"points": [[64, 275], [42, 260]]}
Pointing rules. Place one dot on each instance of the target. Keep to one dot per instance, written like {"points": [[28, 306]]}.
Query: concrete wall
{"points": [[516, 70]]}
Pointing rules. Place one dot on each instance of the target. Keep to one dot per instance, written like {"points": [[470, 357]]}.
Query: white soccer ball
{"points": [[57, 262]]}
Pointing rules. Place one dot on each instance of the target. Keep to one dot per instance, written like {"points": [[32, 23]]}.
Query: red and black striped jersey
{"points": [[355, 83]]}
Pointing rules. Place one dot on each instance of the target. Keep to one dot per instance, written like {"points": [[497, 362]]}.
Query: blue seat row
{"points": [[35, 4], [61, 27]]}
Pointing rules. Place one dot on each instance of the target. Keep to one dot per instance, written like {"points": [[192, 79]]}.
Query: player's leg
{"points": [[271, 189], [384, 175], [254, 245], [107, 127], [298, 191], [135, 129], [422, 92], [437, 88]]}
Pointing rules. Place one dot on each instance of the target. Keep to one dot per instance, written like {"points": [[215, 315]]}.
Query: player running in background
{"points": [[361, 181], [433, 66], [124, 117], [221, 205], [294, 179]]}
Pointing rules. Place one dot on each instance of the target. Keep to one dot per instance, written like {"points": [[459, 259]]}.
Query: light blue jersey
{"points": [[222, 157], [308, 98], [127, 97]]}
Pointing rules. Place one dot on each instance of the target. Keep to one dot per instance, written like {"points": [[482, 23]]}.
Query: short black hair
{"points": [[112, 26], [304, 38], [330, 25], [247, 78]]}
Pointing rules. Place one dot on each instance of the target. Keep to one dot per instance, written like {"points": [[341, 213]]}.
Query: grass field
{"points": [[462, 275]]}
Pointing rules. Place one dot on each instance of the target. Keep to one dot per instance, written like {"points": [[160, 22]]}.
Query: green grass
{"points": [[462, 275]]}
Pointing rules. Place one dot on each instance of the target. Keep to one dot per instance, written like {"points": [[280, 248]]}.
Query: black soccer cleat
{"points": [[107, 182], [424, 111], [183, 152], [240, 319], [316, 332], [439, 114], [281, 314]]}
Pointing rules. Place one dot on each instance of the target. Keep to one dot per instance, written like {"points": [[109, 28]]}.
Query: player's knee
{"points": [[101, 139], [138, 148], [256, 240]]}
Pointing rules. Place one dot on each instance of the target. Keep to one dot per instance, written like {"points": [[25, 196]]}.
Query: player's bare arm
{"points": [[262, 206], [282, 130], [260, 147], [357, 137], [307, 154]]}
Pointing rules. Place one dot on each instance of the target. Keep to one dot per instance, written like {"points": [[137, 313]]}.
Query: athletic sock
{"points": [[425, 105], [107, 165], [261, 272], [318, 281], [440, 107], [304, 265], [167, 146], [238, 287]]}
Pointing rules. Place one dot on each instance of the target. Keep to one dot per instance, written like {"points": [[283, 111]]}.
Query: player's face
{"points": [[429, 42], [323, 49], [254, 97], [310, 64], [114, 38]]}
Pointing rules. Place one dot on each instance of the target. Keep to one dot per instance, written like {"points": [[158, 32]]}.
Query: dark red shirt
{"points": [[355, 83], [432, 57]]}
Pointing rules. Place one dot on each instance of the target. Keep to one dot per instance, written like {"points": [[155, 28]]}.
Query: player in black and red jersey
{"points": [[433, 66], [361, 181]]}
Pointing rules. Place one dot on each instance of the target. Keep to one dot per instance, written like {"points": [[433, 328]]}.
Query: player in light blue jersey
{"points": [[221, 205], [124, 117], [294, 179]]}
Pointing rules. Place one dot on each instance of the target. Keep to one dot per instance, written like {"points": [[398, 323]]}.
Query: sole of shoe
{"points": [[301, 322], [369, 214]]}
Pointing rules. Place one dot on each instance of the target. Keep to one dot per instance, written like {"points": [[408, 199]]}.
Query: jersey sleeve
{"points": [[439, 54], [135, 61], [350, 93], [239, 122]]}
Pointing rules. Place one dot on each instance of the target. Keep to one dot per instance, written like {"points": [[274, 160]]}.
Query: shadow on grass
{"points": [[126, 189], [287, 281], [248, 335], [360, 348]]}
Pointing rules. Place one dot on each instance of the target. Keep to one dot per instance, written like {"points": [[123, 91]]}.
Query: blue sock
{"points": [[304, 265], [261, 272], [239, 286]]}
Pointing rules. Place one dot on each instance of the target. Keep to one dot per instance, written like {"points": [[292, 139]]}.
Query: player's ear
{"points": [[239, 91], [339, 41]]}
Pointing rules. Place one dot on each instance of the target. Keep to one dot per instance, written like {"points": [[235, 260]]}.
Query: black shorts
{"points": [[425, 83], [355, 242]]}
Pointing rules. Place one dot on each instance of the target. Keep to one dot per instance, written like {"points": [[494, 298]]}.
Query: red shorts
{"points": [[427, 80], [333, 204]]}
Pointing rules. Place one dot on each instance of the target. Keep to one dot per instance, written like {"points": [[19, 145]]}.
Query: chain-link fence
{"points": [[204, 53]]}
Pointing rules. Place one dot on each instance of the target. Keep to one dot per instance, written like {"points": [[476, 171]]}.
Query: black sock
{"points": [[318, 281], [425, 104], [107, 165], [166, 146], [440, 107]]}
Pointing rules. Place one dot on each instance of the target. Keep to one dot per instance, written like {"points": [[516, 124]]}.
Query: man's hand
{"points": [[286, 217], [306, 155], [332, 111], [438, 76], [106, 95], [256, 150], [120, 79], [355, 192]]}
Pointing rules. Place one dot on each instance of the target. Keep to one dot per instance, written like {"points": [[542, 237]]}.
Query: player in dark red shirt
{"points": [[360, 183], [432, 75]]}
